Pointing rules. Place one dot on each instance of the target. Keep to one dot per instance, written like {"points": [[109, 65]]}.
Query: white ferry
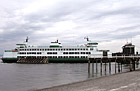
{"points": [[24, 53]]}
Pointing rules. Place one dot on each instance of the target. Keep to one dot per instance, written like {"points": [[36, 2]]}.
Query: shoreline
{"points": [[104, 83]]}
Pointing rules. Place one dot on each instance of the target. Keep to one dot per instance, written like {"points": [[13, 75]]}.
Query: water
{"points": [[23, 77]]}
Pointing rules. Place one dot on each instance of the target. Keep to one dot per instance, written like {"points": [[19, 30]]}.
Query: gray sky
{"points": [[109, 22]]}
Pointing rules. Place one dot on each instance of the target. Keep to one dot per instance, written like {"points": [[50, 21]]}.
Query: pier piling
{"points": [[88, 66], [109, 66], [96, 67], [118, 67], [93, 68], [115, 65], [105, 67], [101, 67]]}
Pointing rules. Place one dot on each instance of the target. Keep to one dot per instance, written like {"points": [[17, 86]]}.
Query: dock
{"points": [[133, 62], [128, 81]]}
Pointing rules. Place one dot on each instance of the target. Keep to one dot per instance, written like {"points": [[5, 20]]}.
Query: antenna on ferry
{"points": [[57, 40], [86, 38], [27, 39]]}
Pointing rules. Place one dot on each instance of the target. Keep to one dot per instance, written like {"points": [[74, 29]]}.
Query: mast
{"points": [[27, 39], [86, 38]]}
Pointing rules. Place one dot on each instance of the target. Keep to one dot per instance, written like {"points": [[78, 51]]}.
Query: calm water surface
{"points": [[23, 77]]}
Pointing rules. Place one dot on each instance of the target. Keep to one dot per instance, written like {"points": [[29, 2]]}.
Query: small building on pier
{"points": [[127, 49]]}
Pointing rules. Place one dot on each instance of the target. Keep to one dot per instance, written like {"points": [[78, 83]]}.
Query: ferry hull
{"points": [[9, 60], [68, 60]]}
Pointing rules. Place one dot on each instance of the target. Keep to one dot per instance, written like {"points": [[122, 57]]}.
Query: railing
{"points": [[60, 47]]}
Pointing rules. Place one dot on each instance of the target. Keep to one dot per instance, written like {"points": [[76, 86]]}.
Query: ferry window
{"points": [[60, 57], [49, 52], [65, 56], [38, 52], [88, 53], [70, 49], [54, 52], [91, 48], [71, 56], [76, 52], [71, 52], [65, 52], [50, 56], [54, 56], [67, 49], [82, 52], [86, 49]]}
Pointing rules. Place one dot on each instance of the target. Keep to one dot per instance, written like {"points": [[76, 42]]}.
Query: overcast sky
{"points": [[110, 22]]}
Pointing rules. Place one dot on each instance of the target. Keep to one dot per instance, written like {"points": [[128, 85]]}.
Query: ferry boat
{"points": [[55, 52]]}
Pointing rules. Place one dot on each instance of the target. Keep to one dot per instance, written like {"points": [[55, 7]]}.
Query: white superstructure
{"points": [[55, 51]]}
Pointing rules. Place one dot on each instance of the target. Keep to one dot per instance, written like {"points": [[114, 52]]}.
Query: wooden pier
{"points": [[132, 61]]}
